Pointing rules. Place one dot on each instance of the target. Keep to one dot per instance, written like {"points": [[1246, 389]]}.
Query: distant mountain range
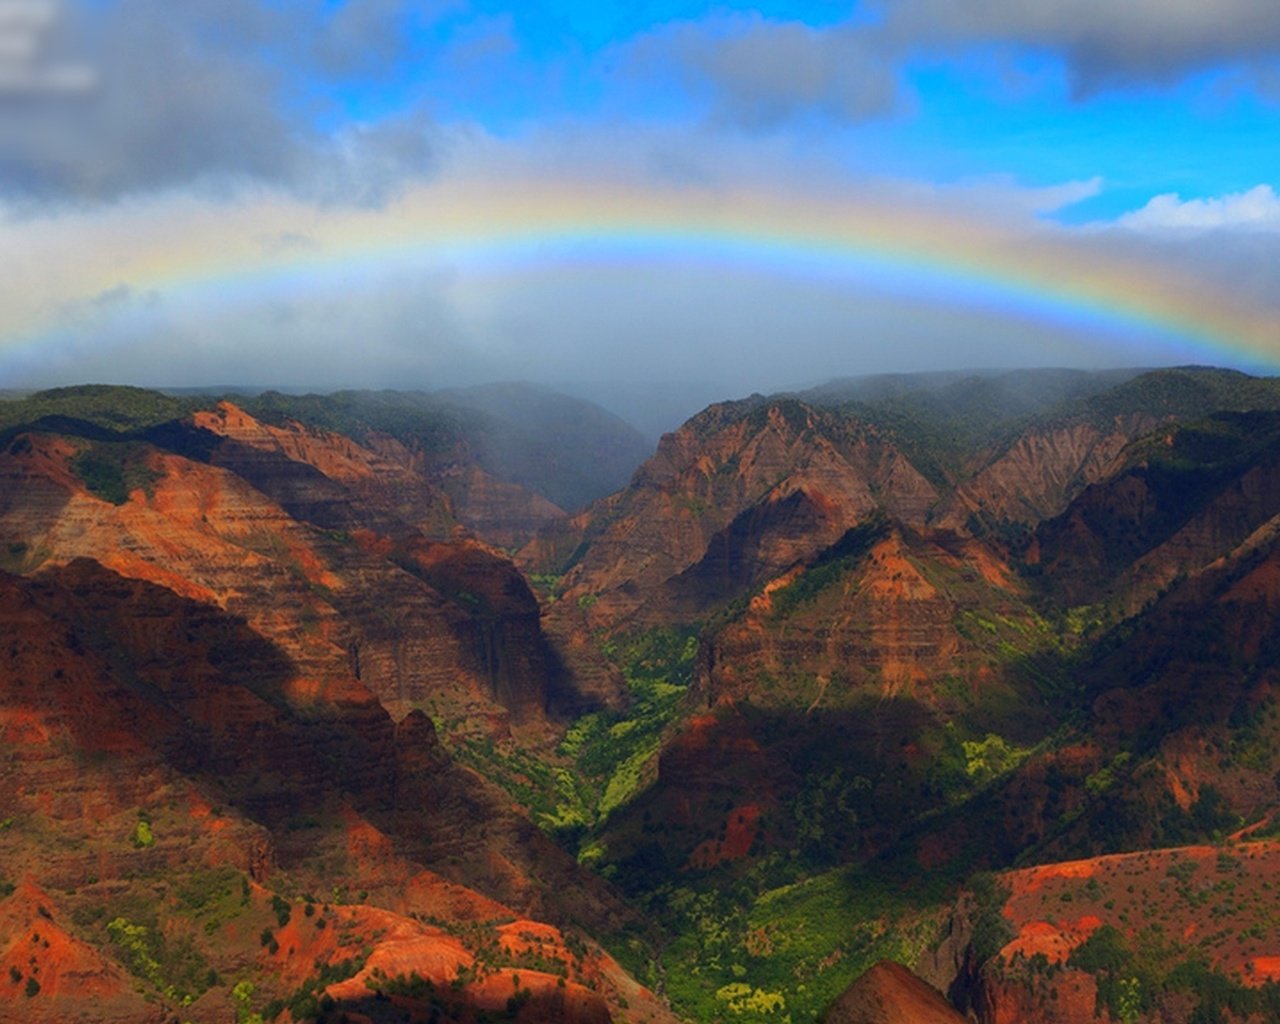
{"points": [[903, 698]]}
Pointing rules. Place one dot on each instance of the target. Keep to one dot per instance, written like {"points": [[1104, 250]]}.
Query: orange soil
{"points": [[34, 944]]}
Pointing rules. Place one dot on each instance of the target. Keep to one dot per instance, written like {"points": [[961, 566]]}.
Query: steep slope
{"points": [[950, 423], [739, 494], [793, 700], [1178, 502], [51, 976], [1172, 737], [882, 693], [449, 627], [321, 476], [1036, 476], [1035, 473], [162, 758], [885, 612], [510, 457], [747, 490]]}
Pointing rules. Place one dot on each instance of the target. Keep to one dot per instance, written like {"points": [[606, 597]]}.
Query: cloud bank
{"points": [[314, 191], [217, 94]]}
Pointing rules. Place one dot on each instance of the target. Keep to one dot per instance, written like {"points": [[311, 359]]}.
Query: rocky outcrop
{"points": [[740, 493], [1050, 912], [382, 484], [889, 993], [503, 513], [1037, 476], [155, 735]]}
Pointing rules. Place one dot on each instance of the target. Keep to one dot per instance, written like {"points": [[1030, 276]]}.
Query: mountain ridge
{"points": [[821, 686]]}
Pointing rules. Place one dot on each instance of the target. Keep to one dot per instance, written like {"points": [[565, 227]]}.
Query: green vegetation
{"points": [[940, 419], [613, 750], [829, 811], [1185, 392], [110, 409], [282, 908], [443, 1002], [173, 966], [1105, 778], [606, 757], [242, 997], [142, 835], [990, 757], [831, 565], [213, 896], [777, 953], [307, 1002], [991, 929], [114, 470], [411, 417], [545, 585], [1132, 974]]}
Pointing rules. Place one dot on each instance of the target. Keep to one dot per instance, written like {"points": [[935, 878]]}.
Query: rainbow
{"points": [[236, 256]]}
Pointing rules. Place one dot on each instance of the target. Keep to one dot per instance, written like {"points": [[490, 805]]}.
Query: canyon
{"points": [[921, 698]]}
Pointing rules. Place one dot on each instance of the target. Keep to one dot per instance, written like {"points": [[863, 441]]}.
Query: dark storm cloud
{"points": [[1103, 42], [760, 73], [205, 93]]}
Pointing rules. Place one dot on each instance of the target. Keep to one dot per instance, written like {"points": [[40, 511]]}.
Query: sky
{"points": [[710, 199]]}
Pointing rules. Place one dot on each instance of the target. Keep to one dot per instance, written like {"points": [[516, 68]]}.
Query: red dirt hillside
{"points": [[50, 975], [1082, 930]]}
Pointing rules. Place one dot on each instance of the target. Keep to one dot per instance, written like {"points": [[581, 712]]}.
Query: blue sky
{"points": [[1144, 131], [1202, 128]]}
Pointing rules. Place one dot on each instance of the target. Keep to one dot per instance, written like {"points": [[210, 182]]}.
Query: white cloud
{"points": [[1255, 209]]}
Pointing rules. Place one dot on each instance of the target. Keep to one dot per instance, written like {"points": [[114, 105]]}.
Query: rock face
{"points": [[1181, 500], [504, 514], [806, 531], [739, 494], [1042, 471], [449, 626], [118, 695], [236, 652], [889, 993], [54, 976], [885, 615]]}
